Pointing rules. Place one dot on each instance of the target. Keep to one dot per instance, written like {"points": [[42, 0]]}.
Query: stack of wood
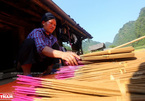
{"points": [[101, 81]]}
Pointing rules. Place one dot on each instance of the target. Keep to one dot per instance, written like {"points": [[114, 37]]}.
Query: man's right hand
{"points": [[70, 57]]}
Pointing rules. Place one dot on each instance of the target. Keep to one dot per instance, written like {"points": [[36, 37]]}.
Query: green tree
{"points": [[140, 27], [125, 34]]}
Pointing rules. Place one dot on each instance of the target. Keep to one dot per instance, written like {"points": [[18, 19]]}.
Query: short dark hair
{"points": [[47, 16]]}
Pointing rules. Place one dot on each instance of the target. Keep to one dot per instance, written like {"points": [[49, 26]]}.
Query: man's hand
{"points": [[70, 57]]}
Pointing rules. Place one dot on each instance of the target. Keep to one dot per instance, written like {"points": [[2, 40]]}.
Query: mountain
{"points": [[125, 34], [140, 27], [86, 43], [108, 44], [132, 30]]}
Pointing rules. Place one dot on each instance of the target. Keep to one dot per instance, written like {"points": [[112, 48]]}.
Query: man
{"points": [[41, 50]]}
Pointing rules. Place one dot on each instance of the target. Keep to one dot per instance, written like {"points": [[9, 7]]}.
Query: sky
{"points": [[102, 18]]}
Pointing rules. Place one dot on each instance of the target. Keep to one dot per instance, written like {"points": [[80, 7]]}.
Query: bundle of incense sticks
{"points": [[66, 72], [29, 98], [103, 81], [104, 71], [52, 88], [67, 85], [110, 51], [109, 54], [37, 92]]}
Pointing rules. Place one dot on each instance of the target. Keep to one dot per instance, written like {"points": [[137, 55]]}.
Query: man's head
{"points": [[48, 22]]}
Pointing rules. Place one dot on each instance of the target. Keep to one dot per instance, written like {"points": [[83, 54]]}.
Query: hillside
{"points": [[107, 44], [140, 27], [87, 43], [125, 34], [132, 30]]}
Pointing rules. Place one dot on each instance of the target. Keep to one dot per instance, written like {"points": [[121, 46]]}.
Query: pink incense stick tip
{"points": [[24, 90], [28, 77], [23, 98]]}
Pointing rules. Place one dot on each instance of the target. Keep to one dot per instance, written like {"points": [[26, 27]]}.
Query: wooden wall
{"points": [[16, 22], [17, 19]]}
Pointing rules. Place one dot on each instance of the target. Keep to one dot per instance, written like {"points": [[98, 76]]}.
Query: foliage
{"points": [[68, 47], [112, 46], [140, 28], [126, 34], [108, 44], [132, 30], [139, 47], [86, 43]]}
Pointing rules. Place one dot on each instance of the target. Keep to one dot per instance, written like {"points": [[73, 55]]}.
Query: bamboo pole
{"points": [[115, 49], [130, 42]]}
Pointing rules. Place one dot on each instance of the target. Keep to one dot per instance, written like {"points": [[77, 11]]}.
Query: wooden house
{"points": [[96, 47], [19, 17]]}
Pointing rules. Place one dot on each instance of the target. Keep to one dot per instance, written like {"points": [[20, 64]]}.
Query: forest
{"points": [[132, 30]]}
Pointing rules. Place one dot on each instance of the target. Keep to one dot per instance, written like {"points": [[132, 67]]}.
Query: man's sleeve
{"points": [[39, 41]]}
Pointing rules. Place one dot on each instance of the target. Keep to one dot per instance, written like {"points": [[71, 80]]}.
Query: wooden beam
{"points": [[46, 8], [22, 7], [58, 13], [13, 21]]}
